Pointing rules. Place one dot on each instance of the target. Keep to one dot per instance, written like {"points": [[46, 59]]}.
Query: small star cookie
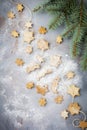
{"points": [[28, 24], [19, 62], [30, 85], [73, 91], [29, 49], [64, 114], [42, 90], [42, 102], [20, 7], [32, 67], [11, 15], [15, 34], [59, 39], [59, 99], [83, 125], [28, 36], [70, 75], [42, 30], [74, 108], [43, 44], [55, 60]]}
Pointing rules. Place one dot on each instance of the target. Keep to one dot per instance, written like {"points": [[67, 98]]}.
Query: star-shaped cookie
{"points": [[42, 101], [55, 60], [29, 49], [28, 36], [64, 114], [59, 99], [59, 39], [11, 15], [42, 30], [83, 124], [42, 44], [73, 91], [30, 85], [19, 62], [15, 34], [74, 108], [20, 7], [28, 24], [70, 75], [42, 90]]}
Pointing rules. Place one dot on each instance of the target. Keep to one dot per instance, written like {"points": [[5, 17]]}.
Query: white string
{"points": [[73, 122], [83, 115], [72, 99]]}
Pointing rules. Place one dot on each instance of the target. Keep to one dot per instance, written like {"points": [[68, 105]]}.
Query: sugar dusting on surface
{"points": [[18, 103]]}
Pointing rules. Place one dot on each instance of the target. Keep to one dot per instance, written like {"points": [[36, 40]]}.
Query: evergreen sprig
{"points": [[73, 14]]}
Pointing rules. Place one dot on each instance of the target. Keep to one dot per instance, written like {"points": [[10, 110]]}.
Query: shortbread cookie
{"points": [[11, 15], [30, 85], [42, 44], [40, 58], [55, 60], [42, 101], [42, 90], [64, 114], [70, 75], [32, 67], [28, 36], [44, 73], [74, 108], [20, 7], [29, 49], [42, 30], [28, 24], [59, 39], [15, 34], [73, 90], [54, 85], [19, 62], [59, 99]]}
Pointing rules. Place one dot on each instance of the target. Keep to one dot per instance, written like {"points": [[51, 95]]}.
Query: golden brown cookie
{"points": [[11, 15], [30, 85], [70, 75], [73, 91], [59, 99], [74, 108], [83, 125], [59, 39], [19, 62], [42, 44], [42, 30], [42, 90], [20, 7], [15, 34], [42, 102]]}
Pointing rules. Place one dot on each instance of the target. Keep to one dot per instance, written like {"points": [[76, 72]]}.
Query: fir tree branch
{"points": [[72, 28]]}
